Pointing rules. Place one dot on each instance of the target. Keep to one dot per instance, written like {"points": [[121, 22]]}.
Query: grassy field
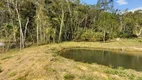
{"points": [[43, 63]]}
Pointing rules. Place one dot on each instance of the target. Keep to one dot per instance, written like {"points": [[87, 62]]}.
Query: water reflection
{"points": [[105, 58]]}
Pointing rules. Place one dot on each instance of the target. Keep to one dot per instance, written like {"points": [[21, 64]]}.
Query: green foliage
{"points": [[88, 35], [86, 78], [120, 68], [139, 78], [116, 72], [120, 72], [132, 77], [98, 36], [41, 22], [7, 57], [127, 35], [69, 76], [21, 78]]}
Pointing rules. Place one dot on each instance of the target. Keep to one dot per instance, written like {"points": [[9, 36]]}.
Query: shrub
{"points": [[78, 33], [88, 35], [120, 68], [69, 77], [98, 36], [127, 35]]}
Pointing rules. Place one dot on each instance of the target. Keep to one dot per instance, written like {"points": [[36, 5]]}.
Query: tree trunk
{"points": [[37, 31], [71, 19], [20, 25], [104, 39], [25, 32], [61, 26]]}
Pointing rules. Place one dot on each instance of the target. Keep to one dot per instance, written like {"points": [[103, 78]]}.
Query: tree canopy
{"points": [[28, 22]]}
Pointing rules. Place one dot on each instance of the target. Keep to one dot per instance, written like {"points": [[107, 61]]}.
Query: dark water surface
{"points": [[107, 58]]}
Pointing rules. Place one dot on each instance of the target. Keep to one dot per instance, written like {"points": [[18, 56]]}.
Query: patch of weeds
{"points": [[120, 68], [79, 68], [49, 69], [139, 40], [21, 78], [116, 72], [54, 58], [54, 55], [139, 78], [86, 78], [54, 49], [89, 77], [109, 78], [12, 74], [0, 69], [8, 57], [120, 73], [69, 76], [132, 77]]}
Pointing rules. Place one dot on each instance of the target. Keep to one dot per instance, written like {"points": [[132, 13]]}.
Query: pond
{"points": [[107, 58]]}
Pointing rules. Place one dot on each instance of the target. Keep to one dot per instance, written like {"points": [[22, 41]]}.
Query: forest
{"points": [[28, 22]]}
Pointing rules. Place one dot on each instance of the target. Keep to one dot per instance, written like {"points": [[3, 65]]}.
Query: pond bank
{"points": [[127, 47]]}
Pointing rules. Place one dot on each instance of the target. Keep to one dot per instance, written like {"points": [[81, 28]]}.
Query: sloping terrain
{"points": [[43, 63]]}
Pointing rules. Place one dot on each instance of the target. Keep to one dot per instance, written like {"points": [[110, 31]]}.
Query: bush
{"points": [[78, 33], [127, 35], [88, 35], [98, 36], [120, 68]]}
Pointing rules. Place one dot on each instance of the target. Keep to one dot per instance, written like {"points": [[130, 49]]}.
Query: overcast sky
{"points": [[121, 4]]}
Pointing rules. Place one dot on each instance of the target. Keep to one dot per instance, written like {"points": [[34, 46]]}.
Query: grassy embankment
{"points": [[43, 63]]}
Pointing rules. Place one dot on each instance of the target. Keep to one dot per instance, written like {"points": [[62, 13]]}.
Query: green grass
{"points": [[69, 76], [7, 57], [12, 74], [116, 72], [86, 78], [21, 78], [122, 73], [48, 69], [139, 78]]}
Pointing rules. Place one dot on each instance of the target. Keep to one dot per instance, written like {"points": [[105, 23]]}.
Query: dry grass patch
{"points": [[44, 63]]}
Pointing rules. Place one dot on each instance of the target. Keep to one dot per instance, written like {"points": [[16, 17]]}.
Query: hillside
{"points": [[43, 63]]}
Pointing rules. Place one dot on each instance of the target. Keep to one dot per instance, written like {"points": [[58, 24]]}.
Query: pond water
{"points": [[107, 58]]}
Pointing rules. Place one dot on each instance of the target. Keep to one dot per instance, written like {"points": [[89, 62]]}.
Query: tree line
{"points": [[27, 22]]}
